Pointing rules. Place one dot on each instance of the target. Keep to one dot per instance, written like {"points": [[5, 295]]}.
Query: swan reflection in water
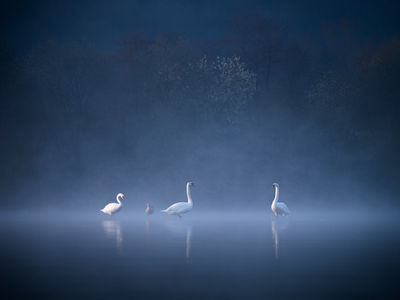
{"points": [[276, 239], [188, 242], [113, 231], [182, 230], [276, 227]]}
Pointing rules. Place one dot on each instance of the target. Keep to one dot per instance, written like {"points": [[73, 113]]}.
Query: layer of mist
{"points": [[79, 125]]}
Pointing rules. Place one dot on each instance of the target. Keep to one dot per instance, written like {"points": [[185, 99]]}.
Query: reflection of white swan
{"points": [[113, 230], [188, 242], [278, 208], [276, 239], [179, 230], [112, 208], [181, 207]]}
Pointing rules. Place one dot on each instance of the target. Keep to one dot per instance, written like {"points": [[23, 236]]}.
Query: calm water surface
{"points": [[200, 257]]}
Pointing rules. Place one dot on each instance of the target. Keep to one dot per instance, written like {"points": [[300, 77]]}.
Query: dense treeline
{"points": [[320, 117]]}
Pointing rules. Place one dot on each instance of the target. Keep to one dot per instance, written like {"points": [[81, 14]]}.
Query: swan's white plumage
{"points": [[112, 208], [282, 209], [180, 208], [278, 208]]}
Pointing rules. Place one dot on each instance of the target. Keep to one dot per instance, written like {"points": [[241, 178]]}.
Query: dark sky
{"points": [[104, 23], [90, 108]]}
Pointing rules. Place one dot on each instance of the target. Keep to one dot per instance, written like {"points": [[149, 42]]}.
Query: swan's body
{"points": [[278, 208], [112, 208], [181, 207]]}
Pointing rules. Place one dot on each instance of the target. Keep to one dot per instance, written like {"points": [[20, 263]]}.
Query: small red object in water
{"points": [[149, 209]]}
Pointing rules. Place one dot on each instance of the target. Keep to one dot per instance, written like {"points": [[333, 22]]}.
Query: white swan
{"points": [[181, 207], [278, 208], [112, 208]]}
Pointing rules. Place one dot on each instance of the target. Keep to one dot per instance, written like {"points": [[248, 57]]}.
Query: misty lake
{"points": [[200, 256]]}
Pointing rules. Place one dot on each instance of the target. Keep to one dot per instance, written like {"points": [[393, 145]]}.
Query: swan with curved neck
{"points": [[278, 208], [112, 208], [180, 208]]}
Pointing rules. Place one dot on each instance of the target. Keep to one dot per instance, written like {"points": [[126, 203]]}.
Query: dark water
{"points": [[200, 257]]}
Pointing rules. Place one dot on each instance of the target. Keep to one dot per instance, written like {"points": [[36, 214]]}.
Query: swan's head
{"points": [[190, 183], [121, 196], [275, 185]]}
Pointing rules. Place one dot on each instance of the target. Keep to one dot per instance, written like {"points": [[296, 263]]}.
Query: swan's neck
{"points": [[119, 201], [276, 196], [189, 197]]}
